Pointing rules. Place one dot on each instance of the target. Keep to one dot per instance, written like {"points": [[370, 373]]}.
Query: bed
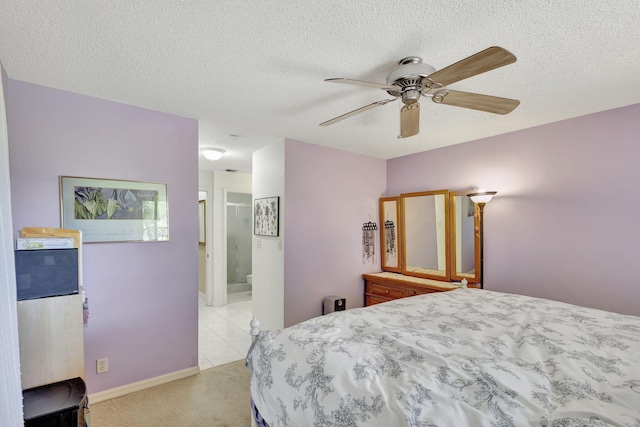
{"points": [[467, 357]]}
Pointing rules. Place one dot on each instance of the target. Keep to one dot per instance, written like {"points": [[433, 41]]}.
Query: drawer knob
{"points": [[386, 291]]}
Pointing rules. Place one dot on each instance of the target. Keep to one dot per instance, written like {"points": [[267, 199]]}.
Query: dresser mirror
{"points": [[431, 234], [465, 238], [389, 234], [425, 234]]}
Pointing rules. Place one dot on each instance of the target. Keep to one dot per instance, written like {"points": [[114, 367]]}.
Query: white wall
{"points": [[205, 187], [268, 254], [10, 388]]}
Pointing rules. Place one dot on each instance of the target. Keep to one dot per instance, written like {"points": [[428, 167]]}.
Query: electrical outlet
{"points": [[102, 365]]}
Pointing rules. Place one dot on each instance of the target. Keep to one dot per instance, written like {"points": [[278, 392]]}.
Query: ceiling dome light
{"points": [[211, 153]]}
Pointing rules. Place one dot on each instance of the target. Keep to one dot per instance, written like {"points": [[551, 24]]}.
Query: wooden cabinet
{"points": [[51, 334], [381, 287]]}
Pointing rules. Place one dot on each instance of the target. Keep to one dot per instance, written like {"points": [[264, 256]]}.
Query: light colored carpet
{"points": [[217, 397]]}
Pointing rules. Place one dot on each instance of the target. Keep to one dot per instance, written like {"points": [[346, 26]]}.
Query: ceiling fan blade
{"points": [[410, 120], [357, 111], [362, 83], [481, 62], [475, 101]]}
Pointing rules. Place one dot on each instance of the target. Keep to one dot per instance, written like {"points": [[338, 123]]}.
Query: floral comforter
{"points": [[462, 358]]}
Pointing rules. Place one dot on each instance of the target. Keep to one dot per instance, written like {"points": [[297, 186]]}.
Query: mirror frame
{"points": [[447, 249], [383, 236], [455, 275]]}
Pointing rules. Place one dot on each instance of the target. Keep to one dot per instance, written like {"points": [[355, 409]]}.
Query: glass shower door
{"points": [[239, 240]]}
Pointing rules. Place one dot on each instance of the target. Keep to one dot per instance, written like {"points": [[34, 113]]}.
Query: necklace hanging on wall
{"points": [[390, 239], [369, 242]]}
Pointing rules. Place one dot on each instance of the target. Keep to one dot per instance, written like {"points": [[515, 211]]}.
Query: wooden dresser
{"points": [[381, 287]]}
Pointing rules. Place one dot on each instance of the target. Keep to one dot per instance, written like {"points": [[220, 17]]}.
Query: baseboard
{"points": [[141, 385]]}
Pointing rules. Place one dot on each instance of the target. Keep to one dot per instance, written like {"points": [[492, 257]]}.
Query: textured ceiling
{"points": [[256, 68]]}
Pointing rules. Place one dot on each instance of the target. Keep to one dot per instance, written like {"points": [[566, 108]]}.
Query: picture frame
{"points": [[202, 222], [266, 216], [113, 210]]}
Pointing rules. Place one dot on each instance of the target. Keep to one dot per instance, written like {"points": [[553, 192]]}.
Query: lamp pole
{"points": [[481, 198], [481, 230]]}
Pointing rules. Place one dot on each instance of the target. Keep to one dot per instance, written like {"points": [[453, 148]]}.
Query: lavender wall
{"points": [[564, 222], [329, 194], [142, 296]]}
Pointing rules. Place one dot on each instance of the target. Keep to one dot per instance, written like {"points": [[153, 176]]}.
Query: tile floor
{"points": [[223, 332]]}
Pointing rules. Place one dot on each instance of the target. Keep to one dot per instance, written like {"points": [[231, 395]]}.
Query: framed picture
{"points": [[111, 210], [202, 225], [265, 216]]}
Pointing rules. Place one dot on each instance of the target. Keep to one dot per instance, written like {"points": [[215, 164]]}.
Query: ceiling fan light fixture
{"points": [[411, 96], [212, 153]]}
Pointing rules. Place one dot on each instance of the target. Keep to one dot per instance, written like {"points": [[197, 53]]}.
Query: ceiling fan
{"points": [[413, 79]]}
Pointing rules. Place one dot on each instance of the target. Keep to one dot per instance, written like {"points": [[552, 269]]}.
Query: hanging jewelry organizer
{"points": [[369, 242], [390, 239]]}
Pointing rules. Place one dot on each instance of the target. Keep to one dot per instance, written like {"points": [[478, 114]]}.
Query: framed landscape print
{"points": [[111, 210]]}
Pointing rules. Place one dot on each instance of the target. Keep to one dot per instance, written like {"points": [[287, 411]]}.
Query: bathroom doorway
{"points": [[239, 241]]}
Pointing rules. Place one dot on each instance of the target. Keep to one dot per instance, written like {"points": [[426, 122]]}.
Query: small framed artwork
{"points": [[202, 224], [112, 210], [266, 216]]}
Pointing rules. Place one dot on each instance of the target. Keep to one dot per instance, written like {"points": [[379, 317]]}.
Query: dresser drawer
{"points": [[413, 292], [386, 291], [384, 287], [372, 299]]}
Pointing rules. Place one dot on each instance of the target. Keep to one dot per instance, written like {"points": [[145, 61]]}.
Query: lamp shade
{"points": [[482, 196], [212, 153]]}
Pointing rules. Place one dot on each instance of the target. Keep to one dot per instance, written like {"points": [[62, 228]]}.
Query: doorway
{"points": [[239, 241]]}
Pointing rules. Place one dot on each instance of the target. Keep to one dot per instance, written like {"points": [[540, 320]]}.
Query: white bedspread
{"points": [[461, 358]]}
